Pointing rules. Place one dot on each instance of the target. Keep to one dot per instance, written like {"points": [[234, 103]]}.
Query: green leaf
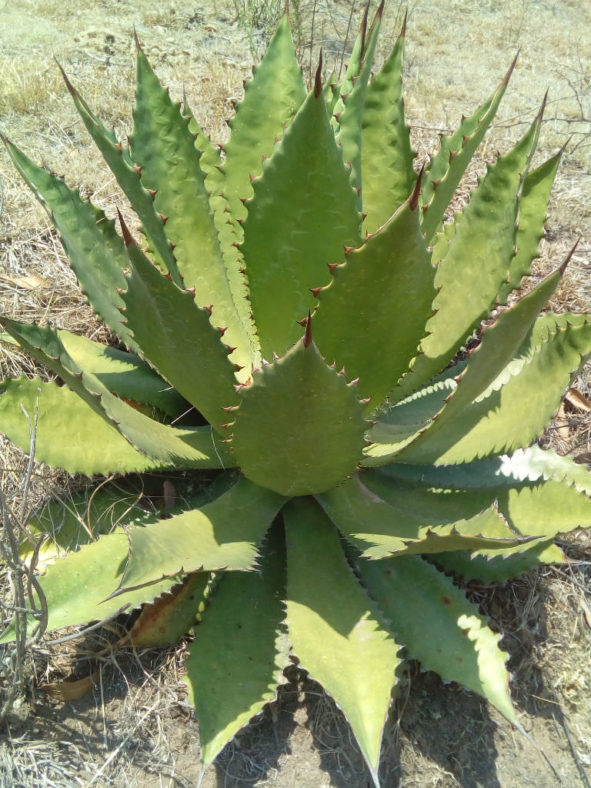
{"points": [[399, 425], [239, 653], [271, 99], [532, 464], [349, 132], [532, 217], [481, 250], [171, 615], [66, 523], [189, 447], [121, 164], [96, 252], [440, 627], [488, 368], [161, 317], [363, 321], [538, 507], [210, 157], [367, 519], [165, 148], [298, 389], [300, 217], [124, 374], [77, 587], [223, 534], [512, 416], [388, 175], [336, 631], [498, 569], [455, 153], [341, 91], [87, 443]]}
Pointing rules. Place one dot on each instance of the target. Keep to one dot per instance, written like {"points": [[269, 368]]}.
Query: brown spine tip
{"points": [[332, 266], [315, 291], [308, 334], [318, 78], [127, 239], [414, 197], [543, 107], [562, 268], [152, 193], [404, 21], [69, 85], [507, 76], [363, 29], [222, 330]]}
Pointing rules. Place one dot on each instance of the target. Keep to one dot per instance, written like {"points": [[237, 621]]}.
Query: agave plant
{"points": [[296, 316]]}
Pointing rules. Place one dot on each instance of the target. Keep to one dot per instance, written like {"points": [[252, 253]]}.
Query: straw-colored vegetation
{"points": [[134, 728]]}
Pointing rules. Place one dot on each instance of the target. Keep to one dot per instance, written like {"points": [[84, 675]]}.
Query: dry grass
{"points": [[135, 727]]}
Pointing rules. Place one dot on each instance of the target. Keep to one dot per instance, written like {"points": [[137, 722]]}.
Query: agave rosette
{"points": [[301, 296]]}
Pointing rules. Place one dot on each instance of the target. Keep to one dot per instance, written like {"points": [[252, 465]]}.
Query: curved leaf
{"points": [[124, 374], [78, 587], [96, 252], [301, 215], [447, 167], [121, 164], [87, 443], [164, 147], [223, 534], [481, 250], [190, 447], [380, 529], [439, 626]]}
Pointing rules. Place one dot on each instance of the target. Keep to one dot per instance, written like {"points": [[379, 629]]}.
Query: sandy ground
{"points": [[135, 728]]}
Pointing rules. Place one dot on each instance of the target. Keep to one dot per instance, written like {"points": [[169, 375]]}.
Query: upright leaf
{"points": [[271, 99], [165, 148], [481, 249], [349, 133], [372, 316], [532, 217], [162, 316], [127, 174], [386, 154], [302, 213], [449, 164]]}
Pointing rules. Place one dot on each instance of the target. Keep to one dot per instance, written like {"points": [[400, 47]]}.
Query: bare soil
{"points": [[134, 728]]}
